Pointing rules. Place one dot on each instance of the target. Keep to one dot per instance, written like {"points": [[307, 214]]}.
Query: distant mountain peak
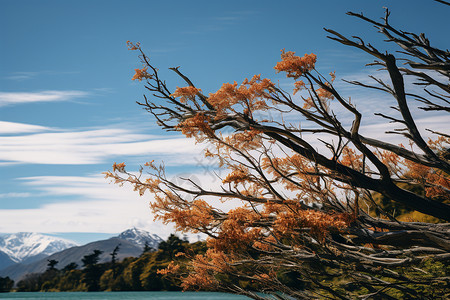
{"points": [[140, 237], [24, 245], [132, 243]]}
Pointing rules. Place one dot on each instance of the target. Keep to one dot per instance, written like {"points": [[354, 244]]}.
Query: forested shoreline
{"points": [[130, 274]]}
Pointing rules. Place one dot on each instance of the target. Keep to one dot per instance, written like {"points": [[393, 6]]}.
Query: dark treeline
{"points": [[6, 284], [131, 274]]}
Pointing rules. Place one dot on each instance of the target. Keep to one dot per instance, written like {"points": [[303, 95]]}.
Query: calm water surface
{"points": [[124, 296]]}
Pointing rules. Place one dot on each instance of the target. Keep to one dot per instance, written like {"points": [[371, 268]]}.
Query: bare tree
{"points": [[301, 216]]}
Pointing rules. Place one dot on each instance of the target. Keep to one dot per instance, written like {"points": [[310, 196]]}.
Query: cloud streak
{"points": [[13, 98], [22, 75], [87, 146], [14, 195], [25, 75], [95, 205], [13, 127], [100, 207]]}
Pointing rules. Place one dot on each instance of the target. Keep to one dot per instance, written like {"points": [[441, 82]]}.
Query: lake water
{"points": [[124, 296]]}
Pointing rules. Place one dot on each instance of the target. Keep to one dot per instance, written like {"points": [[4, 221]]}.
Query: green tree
{"points": [[91, 259], [172, 245], [131, 274], [114, 260], [92, 271], [147, 248], [30, 283], [70, 266], [71, 280], [51, 264], [6, 284], [150, 279]]}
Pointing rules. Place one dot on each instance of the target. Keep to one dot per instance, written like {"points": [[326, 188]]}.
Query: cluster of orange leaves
{"points": [[391, 160], [322, 94], [440, 178], [119, 167], [141, 74], [295, 66], [239, 175], [244, 228], [250, 94], [285, 165], [297, 173], [291, 217], [298, 86], [247, 139], [186, 93], [351, 159], [196, 126], [172, 268], [237, 231], [204, 268], [436, 182], [133, 46], [197, 216]]}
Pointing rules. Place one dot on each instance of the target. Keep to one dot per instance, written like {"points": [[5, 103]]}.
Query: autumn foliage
{"points": [[311, 222]]}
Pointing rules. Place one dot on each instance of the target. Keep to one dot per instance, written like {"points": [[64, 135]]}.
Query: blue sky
{"points": [[67, 102]]}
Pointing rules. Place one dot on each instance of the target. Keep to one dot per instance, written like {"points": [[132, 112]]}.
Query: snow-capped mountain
{"points": [[23, 246], [131, 244], [140, 237]]}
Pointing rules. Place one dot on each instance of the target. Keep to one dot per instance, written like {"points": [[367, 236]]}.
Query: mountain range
{"points": [[26, 247], [25, 253]]}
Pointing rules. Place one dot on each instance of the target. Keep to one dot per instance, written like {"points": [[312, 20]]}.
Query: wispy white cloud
{"points": [[89, 146], [15, 195], [92, 204], [222, 21], [101, 207], [12, 98], [378, 130], [227, 18], [95, 206], [24, 75], [13, 127]]}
